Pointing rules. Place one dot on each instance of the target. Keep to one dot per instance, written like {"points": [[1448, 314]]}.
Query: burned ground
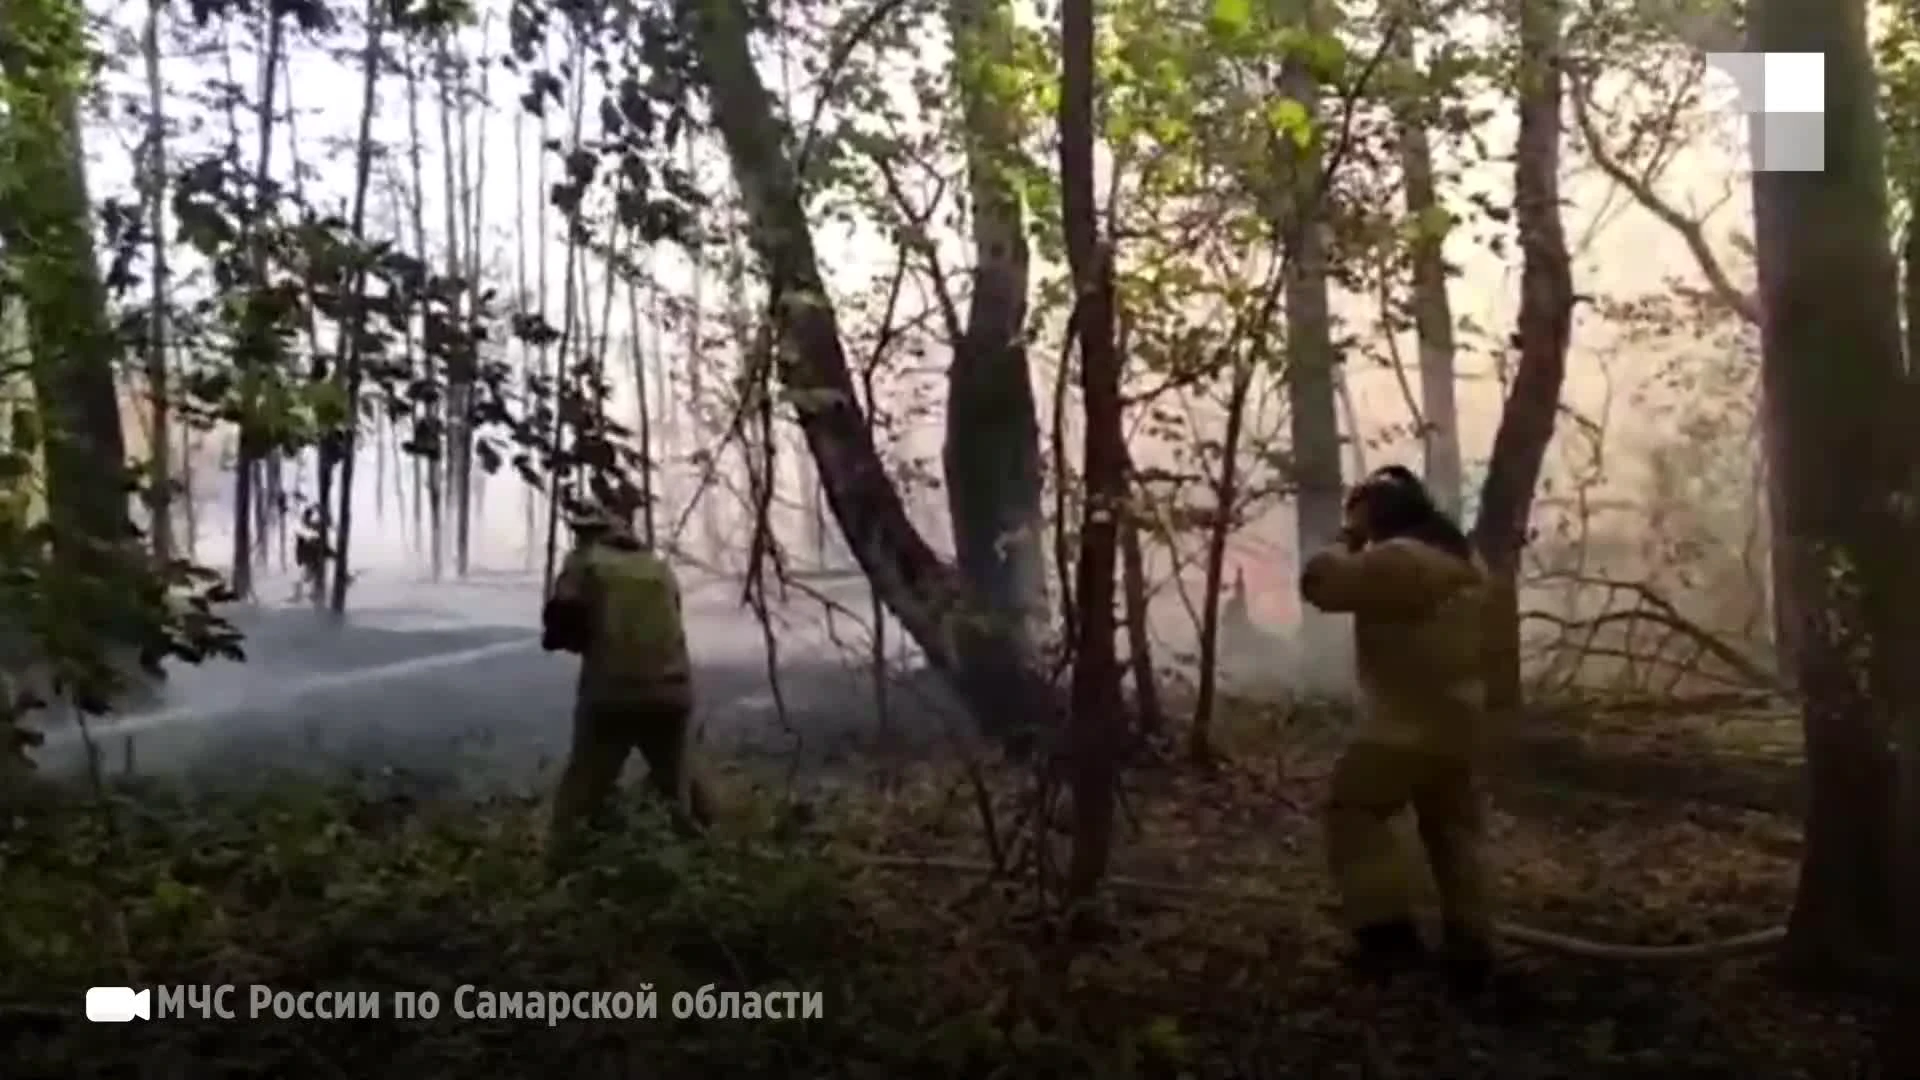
{"points": [[1217, 957]]}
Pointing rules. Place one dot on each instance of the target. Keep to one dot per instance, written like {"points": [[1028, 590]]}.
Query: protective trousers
{"points": [[1371, 784], [605, 733]]}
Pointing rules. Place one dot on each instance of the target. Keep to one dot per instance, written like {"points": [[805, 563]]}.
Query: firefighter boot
{"points": [[1467, 959], [1383, 950]]}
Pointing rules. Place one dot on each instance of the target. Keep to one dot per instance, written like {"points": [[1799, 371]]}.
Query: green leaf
{"points": [[1231, 16], [1290, 118]]}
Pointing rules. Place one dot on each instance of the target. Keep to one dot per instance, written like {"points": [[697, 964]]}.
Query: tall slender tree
{"points": [[354, 334], [256, 353], [1543, 335], [1432, 306]]}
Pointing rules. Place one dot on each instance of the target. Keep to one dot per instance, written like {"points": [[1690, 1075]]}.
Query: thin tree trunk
{"points": [[1151, 715], [1226, 495], [696, 382], [473, 180], [1096, 715], [246, 467], [1355, 438], [1432, 307], [189, 502], [522, 300], [645, 427], [350, 373], [1544, 331], [327, 452], [1133, 574], [547, 374], [409, 478], [1312, 379], [431, 462], [565, 387], [452, 437], [600, 339], [665, 413], [160, 468]]}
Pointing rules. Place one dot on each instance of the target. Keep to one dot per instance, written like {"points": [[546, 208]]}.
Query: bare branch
{"points": [[1643, 192]]}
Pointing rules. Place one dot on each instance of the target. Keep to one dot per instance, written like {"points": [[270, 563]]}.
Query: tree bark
{"points": [[1544, 331], [1313, 411], [1432, 308], [1133, 581], [248, 528], [1226, 495], [46, 230], [1832, 376], [1007, 696], [159, 491], [47, 242], [434, 500], [1096, 717], [456, 439], [991, 455], [355, 331]]}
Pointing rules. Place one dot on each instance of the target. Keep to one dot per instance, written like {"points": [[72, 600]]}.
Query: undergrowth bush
{"points": [[303, 887]]}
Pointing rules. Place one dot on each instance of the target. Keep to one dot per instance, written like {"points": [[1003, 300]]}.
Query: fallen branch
{"points": [[1656, 609]]}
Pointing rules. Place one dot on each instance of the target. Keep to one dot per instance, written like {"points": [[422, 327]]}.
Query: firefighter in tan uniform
{"points": [[617, 604], [1417, 594]]}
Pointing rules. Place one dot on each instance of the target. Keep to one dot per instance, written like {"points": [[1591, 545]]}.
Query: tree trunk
{"points": [[457, 441], [1226, 494], [992, 449], [1432, 308], [1133, 580], [1544, 331], [1095, 718], [327, 452], [471, 494], [1151, 718], [566, 384], [1831, 373], [246, 471], [355, 331], [189, 502], [643, 430], [926, 594], [1313, 405], [46, 235], [1910, 271], [696, 402], [522, 301], [159, 490], [433, 500]]}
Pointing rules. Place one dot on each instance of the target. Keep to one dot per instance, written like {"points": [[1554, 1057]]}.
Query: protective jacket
{"points": [[618, 605], [1418, 623]]}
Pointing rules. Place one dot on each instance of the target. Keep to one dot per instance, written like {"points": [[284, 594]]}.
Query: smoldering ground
{"points": [[443, 687], [446, 688]]}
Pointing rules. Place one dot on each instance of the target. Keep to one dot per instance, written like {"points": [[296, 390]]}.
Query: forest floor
{"points": [[1217, 960]]}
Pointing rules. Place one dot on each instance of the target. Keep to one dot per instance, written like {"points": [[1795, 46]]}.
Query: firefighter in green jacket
{"points": [[1418, 597], [617, 604]]}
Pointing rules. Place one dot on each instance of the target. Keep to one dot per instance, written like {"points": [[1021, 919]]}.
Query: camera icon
{"points": [[118, 1004]]}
